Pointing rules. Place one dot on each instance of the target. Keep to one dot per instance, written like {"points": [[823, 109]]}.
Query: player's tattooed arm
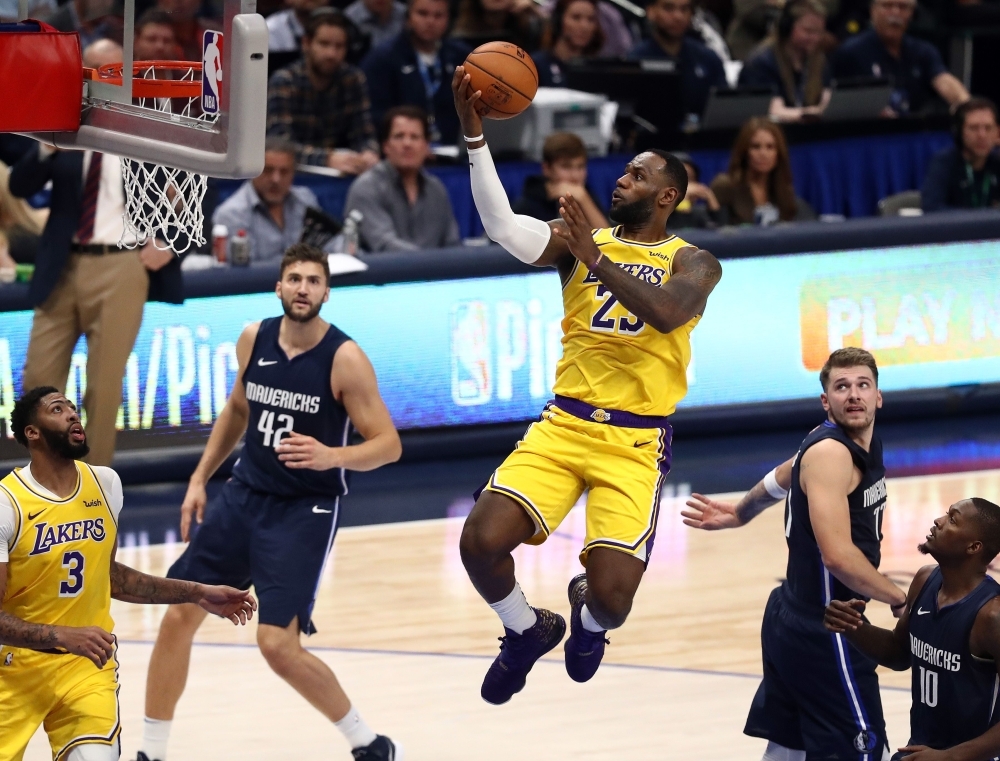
{"points": [[889, 648], [130, 585], [695, 273]]}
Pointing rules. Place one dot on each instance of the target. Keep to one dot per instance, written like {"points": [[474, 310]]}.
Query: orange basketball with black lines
{"points": [[507, 77]]}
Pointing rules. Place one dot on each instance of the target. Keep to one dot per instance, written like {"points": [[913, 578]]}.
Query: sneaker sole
{"points": [[555, 643]]}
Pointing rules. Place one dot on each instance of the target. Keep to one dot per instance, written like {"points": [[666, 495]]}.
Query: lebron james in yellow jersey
{"points": [[632, 294], [58, 574]]}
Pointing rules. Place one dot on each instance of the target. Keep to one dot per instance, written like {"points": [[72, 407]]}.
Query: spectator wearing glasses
{"points": [[574, 32], [404, 207], [758, 187], [320, 103], [966, 175], [379, 20], [414, 69], [913, 66], [517, 21], [698, 67], [792, 63]]}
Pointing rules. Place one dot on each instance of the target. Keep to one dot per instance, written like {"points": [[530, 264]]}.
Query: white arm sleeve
{"points": [[6, 527], [524, 237], [112, 485]]}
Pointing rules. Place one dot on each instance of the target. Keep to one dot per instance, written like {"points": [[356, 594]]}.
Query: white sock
{"points": [[588, 621], [514, 611], [155, 733], [354, 729], [775, 752]]}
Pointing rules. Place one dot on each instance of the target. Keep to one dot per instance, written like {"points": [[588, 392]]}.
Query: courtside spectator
{"points": [[286, 28], [698, 67], [564, 170], [758, 188], [913, 66], [379, 20], [189, 26], [320, 103], [700, 207], [155, 39], [574, 32], [792, 64], [403, 206], [966, 175], [269, 207], [416, 67], [20, 226], [517, 21]]}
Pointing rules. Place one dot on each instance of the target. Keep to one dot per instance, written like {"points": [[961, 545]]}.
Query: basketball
{"points": [[507, 77]]}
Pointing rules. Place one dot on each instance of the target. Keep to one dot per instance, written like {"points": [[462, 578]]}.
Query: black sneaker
{"points": [[518, 653], [380, 749], [140, 756], [584, 649]]}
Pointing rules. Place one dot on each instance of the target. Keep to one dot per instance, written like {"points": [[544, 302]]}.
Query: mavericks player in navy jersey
{"points": [[819, 698], [949, 636], [301, 385]]}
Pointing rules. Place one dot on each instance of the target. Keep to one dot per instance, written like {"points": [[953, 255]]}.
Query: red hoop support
{"points": [[143, 87]]}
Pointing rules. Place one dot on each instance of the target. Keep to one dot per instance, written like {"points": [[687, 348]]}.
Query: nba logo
{"points": [[211, 72], [471, 379]]}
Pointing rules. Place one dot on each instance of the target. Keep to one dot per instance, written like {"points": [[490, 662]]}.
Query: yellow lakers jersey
{"points": [[611, 358], [59, 567]]}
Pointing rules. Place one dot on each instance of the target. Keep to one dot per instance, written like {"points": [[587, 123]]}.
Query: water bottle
{"points": [[239, 249], [352, 231], [220, 241]]}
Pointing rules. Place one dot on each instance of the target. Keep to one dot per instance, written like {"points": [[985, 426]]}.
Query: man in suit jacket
{"points": [[83, 283]]}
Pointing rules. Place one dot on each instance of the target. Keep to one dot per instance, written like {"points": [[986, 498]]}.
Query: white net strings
{"points": [[163, 204]]}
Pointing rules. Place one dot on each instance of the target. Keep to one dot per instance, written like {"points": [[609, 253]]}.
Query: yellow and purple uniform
{"points": [[58, 555], [606, 431]]}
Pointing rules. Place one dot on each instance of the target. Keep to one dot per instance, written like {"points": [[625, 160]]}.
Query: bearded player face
{"points": [[58, 423], [639, 190], [303, 289]]}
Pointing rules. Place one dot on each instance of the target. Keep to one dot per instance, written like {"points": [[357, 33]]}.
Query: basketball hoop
{"points": [[162, 202]]}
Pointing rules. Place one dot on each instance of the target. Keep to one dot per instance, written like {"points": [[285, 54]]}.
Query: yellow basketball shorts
{"points": [[76, 702], [576, 447]]}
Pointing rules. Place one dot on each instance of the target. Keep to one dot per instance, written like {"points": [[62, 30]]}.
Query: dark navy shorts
{"points": [[277, 544], [819, 694]]}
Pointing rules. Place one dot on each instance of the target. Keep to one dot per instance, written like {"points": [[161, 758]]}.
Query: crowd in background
{"points": [[362, 89]]}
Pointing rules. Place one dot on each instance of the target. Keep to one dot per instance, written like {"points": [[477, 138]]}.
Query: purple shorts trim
{"points": [[585, 411]]}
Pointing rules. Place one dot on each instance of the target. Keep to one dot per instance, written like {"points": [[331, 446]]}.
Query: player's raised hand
{"points": [[297, 450], [193, 506], [841, 616], [465, 103], [575, 229], [227, 602], [710, 514], [92, 642]]}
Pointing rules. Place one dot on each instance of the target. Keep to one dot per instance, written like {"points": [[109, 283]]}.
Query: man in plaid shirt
{"points": [[320, 104]]}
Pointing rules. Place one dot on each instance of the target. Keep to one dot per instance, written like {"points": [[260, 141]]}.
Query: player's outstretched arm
{"points": [[826, 471], [226, 434], [353, 382], [713, 514], [91, 642], [695, 273], [130, 585], [889, 648], [984, 641], [526, 238]]}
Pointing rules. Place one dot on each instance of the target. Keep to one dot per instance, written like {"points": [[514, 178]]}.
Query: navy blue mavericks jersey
{"points": [[954, 693], [807, 580], [288, 395]]}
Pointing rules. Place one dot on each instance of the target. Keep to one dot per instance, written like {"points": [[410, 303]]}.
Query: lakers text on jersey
{"points": [[606, 431], [59, 572]]}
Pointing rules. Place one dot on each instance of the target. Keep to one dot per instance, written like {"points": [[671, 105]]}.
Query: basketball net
{"points": [[164, 204]]}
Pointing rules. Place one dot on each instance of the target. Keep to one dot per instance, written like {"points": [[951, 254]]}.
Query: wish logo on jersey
{"points": [[652, 275], [47, 537]]}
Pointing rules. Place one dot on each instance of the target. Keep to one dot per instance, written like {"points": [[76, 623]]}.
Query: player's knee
{"points": [[478, 543], [182, 619], [277, 646], [609, 604]]}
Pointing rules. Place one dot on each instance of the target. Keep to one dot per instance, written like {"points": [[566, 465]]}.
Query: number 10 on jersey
{"points": [[272, 436]]}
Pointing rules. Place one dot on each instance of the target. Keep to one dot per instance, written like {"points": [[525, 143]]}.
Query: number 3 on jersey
{"points": [[628, 324], [266, 426]]}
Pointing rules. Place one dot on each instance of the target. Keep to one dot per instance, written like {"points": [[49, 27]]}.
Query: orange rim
{"points": [[143, 87]]}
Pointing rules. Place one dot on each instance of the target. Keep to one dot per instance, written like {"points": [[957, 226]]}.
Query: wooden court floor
{"points": [[410, 639]]}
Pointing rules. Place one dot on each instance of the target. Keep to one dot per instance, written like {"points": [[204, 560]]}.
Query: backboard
{"points": [[220, 133]]}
